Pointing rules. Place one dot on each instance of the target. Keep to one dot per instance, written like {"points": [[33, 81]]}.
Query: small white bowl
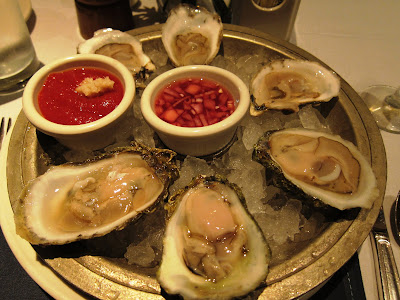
{"points": [[196, 141], [91, 136]]}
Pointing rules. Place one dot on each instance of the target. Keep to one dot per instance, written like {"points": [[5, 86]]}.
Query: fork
{"points": [[4, 128]]}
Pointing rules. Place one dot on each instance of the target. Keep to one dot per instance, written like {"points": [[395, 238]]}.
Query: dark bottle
{"points": [[97, 14]]}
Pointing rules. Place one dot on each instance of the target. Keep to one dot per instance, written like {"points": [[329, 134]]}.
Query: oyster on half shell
{"points": [[213, 249], [123, 47], [191, 35], [319, 166], [287, 84], [72, 202]]}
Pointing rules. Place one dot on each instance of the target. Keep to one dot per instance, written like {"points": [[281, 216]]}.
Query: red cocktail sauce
{"points": [[194, 102], [60, 103]]}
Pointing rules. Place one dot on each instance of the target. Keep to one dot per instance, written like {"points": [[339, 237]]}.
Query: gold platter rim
{"points": [[301, 281]]}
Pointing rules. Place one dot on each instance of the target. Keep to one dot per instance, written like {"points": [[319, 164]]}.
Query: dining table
{"points": [[357, 39]]}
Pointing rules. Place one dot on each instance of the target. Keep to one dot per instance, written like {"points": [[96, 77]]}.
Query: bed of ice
{"points": [[280, 220]]}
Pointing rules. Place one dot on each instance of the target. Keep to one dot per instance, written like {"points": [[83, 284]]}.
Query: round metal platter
{"points": [[306, 266]]}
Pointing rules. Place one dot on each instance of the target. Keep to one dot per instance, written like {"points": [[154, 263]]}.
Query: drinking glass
{"points": [[18, 59], [98, 14], [383, 102], [276, 17]]}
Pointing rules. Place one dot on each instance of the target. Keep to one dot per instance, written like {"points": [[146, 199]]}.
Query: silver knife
{"points": [[387, 274]]}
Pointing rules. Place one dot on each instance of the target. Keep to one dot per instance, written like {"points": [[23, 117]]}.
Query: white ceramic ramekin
{"points": [[94, 135], [196, 141]]}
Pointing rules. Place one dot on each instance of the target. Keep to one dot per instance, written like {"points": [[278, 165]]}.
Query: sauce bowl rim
{"points": [[29, 97], [162, 80]]}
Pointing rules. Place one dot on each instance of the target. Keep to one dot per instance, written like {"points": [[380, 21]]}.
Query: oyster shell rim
{"points": [[159, 160], [106, 36], [221, 289], [311, 193], [168, 39], [286, 64]]}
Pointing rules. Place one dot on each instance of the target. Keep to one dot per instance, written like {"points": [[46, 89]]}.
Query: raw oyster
{"points": [[318, 165], [191, 35], [71, 202], [287, 84], [122, 47], [210, 242]]}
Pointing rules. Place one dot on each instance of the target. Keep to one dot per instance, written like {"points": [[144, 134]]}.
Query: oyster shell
{"points": [[191, 35], [287, 84], [318, 165], [122, 47], [210, 242], [71, 202]]}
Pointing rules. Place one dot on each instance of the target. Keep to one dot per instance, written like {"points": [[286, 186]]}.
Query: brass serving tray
{"points": [[109, 276]]}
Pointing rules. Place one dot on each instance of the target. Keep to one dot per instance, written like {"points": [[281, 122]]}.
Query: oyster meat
{"points": [[123, 47], [287, 84], [210, 242], [318, 165], [191, 35], [71, 202]]}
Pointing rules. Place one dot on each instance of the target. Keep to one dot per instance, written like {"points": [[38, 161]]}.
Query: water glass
{"points": [[18, 59], [276, 17]]}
